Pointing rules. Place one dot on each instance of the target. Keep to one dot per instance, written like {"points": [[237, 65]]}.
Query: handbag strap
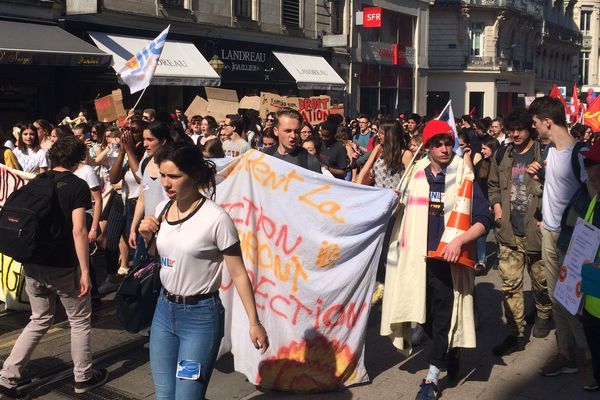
{"points": [[164, 210]]}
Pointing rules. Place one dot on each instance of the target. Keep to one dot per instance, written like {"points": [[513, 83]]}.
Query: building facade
{"points": [[388, 65], [587, 16], [488, 55], [240, 36]]}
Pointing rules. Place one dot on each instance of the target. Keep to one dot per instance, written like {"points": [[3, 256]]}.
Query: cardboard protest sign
{"points": [[110, 108], [12, 277], [313, 276], [198, 106], [314, 109], [270, 102], [250, 103], [221, 102]]}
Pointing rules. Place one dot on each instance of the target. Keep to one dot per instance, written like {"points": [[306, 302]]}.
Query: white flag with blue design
{"points": [[448, 116], [138, 71]]}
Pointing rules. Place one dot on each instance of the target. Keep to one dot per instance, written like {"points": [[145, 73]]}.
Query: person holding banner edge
{"points": [[193, 239], [436, 294]]}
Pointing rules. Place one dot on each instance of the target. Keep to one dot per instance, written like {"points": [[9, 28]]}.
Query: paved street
{"points": [[483, 376]]}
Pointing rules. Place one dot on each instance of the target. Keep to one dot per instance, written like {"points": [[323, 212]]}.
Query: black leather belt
{"points": [[195, 299]]}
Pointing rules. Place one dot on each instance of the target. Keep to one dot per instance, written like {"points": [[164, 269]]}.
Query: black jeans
{"points": [[591, 327], [114, 230], [440, 302]]}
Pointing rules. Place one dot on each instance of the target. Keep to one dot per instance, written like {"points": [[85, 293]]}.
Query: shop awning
{"points": [[180, 64], [24, 43], [311, 72]]}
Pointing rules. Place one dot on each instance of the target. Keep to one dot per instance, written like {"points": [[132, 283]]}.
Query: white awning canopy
{"points": [[180, 64], [311, 72]]}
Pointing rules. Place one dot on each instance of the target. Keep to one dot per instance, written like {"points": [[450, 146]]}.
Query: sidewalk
{"points": [[482, 375]]}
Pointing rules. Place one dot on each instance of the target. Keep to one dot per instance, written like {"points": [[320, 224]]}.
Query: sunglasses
{"points": [[195, 123]]}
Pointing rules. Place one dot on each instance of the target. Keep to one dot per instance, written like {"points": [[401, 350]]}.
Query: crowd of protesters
{"points": [[531, 170]]}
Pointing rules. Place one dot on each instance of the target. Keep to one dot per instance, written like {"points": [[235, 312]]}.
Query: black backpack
{"points": [[31, 220]]}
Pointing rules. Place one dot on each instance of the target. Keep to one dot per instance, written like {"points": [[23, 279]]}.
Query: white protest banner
{"points": [[582, 250], [311, 246], [12, 279]]}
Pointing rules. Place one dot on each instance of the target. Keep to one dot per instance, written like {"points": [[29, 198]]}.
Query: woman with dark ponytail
{"points": [[193, 237]]}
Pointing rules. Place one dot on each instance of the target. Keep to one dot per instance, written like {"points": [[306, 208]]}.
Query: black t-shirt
{"points": [[73, 193], [293, 157], [519, 198], [335, 156]]}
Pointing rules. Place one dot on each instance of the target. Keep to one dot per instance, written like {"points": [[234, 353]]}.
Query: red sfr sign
{"points": [[372, 17]]}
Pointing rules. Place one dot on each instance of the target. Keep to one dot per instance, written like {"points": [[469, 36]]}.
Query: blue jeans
{"points": [[184, 332], [481, 245], [139, 240]]}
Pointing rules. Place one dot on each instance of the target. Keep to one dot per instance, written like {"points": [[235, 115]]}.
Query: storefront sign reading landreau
{"points": [[242, 60]]}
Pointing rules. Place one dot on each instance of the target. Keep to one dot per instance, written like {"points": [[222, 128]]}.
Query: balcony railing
{"points": [[558, 32], [534, 8]]}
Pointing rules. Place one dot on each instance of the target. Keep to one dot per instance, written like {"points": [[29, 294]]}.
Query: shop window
{"points": [[405, 30], [242, 9], [174, 3], [507, 101], [389, 27], [290, 13], [436, 101], [476, 101], [585, 21], [476, 37]]}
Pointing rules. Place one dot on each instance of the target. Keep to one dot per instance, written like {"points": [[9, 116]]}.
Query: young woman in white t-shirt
{"points": [[28, 152], [194, 237]]}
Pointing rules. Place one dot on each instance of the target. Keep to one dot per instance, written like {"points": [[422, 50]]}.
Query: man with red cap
{"points": [[436, 294]]}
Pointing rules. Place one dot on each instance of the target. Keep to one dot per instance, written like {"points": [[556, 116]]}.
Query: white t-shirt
{"points": [[154, 192], [130, 186], [195, 137], [191, 251], [32, 161], [237, 148], [560, 185], [9, 144], [88, 174]]}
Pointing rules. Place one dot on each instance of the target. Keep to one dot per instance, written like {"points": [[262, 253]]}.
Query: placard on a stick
{"points": [[110, 108]]}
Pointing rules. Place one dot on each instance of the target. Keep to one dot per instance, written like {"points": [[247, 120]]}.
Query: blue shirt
{"points": [[480, 208]]}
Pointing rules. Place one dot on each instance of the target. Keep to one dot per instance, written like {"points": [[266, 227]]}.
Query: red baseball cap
{"points": [[436, 127], [593, 153]]}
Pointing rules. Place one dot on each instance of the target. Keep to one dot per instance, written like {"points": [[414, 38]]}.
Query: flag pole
{"points": [[449, 107], [409, 166], [140, 98]]}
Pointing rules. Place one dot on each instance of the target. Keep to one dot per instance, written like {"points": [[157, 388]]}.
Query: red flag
{"points": [[575, 106], [592, 116], [556, 94]]}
